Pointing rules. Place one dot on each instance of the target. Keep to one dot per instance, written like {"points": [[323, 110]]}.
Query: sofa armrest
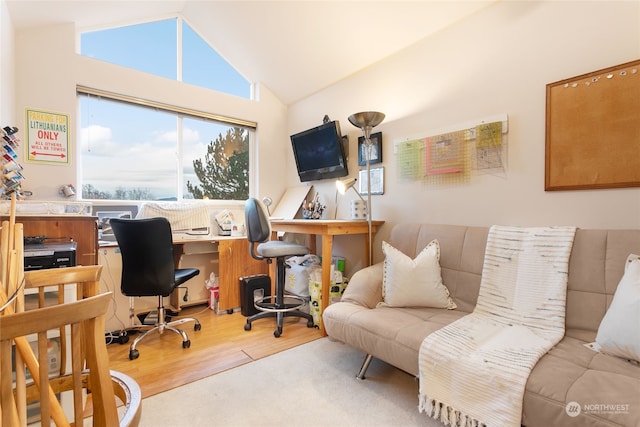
{"points": [[365, 287]]}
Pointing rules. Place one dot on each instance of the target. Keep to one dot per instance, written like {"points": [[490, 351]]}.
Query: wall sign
{"points": [[47, 137]]}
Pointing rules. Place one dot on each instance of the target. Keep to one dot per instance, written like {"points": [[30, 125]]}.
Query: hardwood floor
{"points": [[221, 344]]}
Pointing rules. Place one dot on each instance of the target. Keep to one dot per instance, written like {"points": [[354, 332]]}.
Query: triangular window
{"points": [[153, 48]]}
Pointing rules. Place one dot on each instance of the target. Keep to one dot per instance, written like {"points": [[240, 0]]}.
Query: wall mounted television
{"points": [[320, 152]]}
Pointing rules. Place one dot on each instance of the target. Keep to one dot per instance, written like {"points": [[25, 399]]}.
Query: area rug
{"points": [[474, 370], [310, 385]]}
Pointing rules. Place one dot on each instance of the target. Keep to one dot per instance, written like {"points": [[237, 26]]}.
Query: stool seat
{"points": [[277, 248]]}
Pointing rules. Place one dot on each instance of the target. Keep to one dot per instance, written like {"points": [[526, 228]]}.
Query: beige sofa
{"points": [[606, 387]]}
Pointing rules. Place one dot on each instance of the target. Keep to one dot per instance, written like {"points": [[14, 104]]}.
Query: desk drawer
{"points": [[194, 248]]}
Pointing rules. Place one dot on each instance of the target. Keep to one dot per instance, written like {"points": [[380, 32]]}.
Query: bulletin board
{"points": [[593, 130]]}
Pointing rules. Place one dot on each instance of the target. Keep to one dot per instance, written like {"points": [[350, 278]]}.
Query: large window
{"points": [[133, 149], [141, 152]]}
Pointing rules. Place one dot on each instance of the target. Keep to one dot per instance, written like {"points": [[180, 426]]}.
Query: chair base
{"points": [[160, 326], [279, 311]]}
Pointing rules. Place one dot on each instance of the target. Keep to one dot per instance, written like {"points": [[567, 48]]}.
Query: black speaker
{"points": [[251, 289]]}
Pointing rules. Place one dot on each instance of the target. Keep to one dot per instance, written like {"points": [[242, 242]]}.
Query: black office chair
{"points": [[261, 248], [148, 269]]}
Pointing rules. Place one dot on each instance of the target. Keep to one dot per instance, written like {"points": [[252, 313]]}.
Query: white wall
{"points": [[50, 69], [7, 93], [497, 61]]}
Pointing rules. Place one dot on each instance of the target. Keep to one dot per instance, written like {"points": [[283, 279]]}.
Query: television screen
{"points": [[319, 153]]}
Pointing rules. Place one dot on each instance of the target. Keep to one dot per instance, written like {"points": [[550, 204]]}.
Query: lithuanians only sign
{"points": [[47, 137]]}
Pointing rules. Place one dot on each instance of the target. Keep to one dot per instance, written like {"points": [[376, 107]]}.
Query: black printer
{"points": [[39, 256]]}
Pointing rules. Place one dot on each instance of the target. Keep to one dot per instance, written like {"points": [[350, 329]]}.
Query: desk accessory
{"points": [[313, 209]]}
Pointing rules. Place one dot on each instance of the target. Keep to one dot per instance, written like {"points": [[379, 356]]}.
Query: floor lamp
{"points": [[366, 121]]}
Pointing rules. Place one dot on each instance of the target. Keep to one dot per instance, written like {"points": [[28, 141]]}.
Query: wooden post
{"points": [[11, 277]]}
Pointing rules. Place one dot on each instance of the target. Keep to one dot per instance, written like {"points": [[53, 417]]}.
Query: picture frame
{"points": [[377, 181], [376, 150]]}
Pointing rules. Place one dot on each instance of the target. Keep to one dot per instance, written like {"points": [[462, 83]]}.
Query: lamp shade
{"points": [[343, 185], [366, 118], [366, 121]]}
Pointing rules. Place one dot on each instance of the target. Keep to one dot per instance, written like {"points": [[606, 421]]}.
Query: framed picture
{"points": [[376, 150], [377, 181]]}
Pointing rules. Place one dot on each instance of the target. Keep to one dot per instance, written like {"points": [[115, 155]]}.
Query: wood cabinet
{"points": [[235, 262], [80, 229], [228, 258]]}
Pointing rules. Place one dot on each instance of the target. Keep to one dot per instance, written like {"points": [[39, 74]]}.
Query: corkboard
{"points": [[593, 130]]}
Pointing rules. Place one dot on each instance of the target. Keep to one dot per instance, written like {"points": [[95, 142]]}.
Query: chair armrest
{"points": [[365, 287]]}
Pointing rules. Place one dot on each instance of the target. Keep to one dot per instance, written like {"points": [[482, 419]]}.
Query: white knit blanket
{"points": [[473, 371]]}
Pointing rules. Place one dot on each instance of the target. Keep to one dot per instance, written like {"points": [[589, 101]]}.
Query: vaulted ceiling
{"points": [[295, 48]]}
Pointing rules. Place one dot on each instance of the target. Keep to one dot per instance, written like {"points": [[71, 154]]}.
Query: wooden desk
{"points": [[64, 228], [327, 229], [227, 257]]}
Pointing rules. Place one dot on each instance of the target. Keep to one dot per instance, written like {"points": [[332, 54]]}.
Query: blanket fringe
{"points": [[446, 414]]}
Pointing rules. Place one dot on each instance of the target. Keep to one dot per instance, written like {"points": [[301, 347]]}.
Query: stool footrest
{"points": [[270, 304]]}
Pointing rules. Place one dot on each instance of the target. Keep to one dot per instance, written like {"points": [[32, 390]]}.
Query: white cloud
{"points": [[95, 138]]}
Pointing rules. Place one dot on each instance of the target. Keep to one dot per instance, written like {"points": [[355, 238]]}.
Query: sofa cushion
{"points": [[390, 334], [414, 282], [587, 378], [619, 331], [365, 287], [596, 266]]}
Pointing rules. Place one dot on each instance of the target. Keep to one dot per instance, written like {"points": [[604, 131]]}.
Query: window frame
{"points": [[180, 113]]}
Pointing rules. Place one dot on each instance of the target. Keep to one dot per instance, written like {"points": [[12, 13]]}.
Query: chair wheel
{"points": [[310, 324], [123, 339], [277, 333], [197, 327], [186, 344], [133, 354], [247, 326]]}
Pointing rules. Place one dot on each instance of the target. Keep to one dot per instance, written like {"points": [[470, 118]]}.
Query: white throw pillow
{"points": [[619, 331], [414, 282]]}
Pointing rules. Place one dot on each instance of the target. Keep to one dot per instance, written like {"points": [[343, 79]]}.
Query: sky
{"points": [[131, 147]]}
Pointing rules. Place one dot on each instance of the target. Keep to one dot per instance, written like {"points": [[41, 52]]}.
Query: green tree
{"points": [[224, 173]]}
